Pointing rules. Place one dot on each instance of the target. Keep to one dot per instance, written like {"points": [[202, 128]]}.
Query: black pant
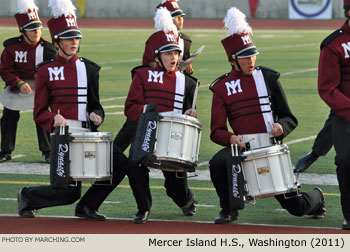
{"points": [[175, 184], [324, 141], [48, 196], [9, 122], [100, 190], [126, 135], [295, 205], [341, 138]]}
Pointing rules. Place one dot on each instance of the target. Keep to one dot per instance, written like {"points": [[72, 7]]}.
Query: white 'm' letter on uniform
{"points": [[234, 86], [56, 71], [21, 56], [155, 75], [346, 47]]}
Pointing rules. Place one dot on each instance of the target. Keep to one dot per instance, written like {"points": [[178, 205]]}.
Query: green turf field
{"points": [[294, 53]]}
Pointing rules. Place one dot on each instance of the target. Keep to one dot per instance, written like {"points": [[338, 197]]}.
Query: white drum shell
{"points": [[91, 156], [268, 171], [177, 142], [258, 140]]}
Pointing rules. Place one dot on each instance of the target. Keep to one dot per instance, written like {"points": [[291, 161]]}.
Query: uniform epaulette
{"points": [[267, 69], [136, 68], [218, 79], [330, 37], [48, 45], [185, 37], [44, 62], [191, 77], [12, 41], [89, 62]]}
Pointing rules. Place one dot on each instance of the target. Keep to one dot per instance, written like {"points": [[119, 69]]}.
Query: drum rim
{"points": [[269, 194], [275, 147], [175, 160], [179, 116], [152, 164], [91, 136]]}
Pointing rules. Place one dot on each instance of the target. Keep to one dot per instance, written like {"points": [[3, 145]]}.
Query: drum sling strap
{"points": [[59, 165], [235, 179], [145, 138]]}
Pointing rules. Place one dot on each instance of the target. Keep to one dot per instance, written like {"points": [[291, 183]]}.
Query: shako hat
{"points": [[164, 40], [239, 43], [27, 16], [173, 7], [63, 24]]}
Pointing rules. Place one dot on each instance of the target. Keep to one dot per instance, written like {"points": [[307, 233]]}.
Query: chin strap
{"points": [[161, 62], [25, 34], [235, 59], [58, 43]]}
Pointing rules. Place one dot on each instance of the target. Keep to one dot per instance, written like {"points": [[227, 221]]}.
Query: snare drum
{"points": [[91, 156], [268, 171], [177, 143]]}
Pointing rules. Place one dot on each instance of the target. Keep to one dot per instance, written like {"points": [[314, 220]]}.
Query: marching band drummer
{"points": [[250, 98], [171, 90], [125, 135], [17, 69], [67, 88]]}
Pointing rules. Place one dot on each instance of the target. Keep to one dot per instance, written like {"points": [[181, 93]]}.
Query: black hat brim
{"points": [[177, 13], [33, 26], [248, 53], [169, 48], [70, 34]]}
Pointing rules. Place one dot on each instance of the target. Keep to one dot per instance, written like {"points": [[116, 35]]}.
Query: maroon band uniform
{"points": [[334, 89], [172, 91], [18, 61], [68, 87]]}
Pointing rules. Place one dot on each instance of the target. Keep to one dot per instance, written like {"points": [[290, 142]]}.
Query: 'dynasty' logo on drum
{"points": [[62, 149], [236, 170], [151, 126]]}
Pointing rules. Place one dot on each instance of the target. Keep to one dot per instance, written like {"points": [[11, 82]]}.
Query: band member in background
{"points": [[67, 94], [125, 135], [322, 145], [171, 90], [334, 89], [17, 69], [184, 41], [249, 97]]}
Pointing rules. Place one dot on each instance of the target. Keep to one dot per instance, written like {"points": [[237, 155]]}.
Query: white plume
{"points": [[62, 7], [163, 21], [24, 5], [236, 22]]}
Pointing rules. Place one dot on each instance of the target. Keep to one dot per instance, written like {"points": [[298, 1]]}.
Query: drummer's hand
{"points": [[191, 112], [59, 120], [277, 130], [237, 140], [189, 69], [25, 88], [96, 119]]}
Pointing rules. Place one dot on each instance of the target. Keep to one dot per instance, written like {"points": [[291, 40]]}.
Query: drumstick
{"points": [[195, 96], [271, 125]]}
